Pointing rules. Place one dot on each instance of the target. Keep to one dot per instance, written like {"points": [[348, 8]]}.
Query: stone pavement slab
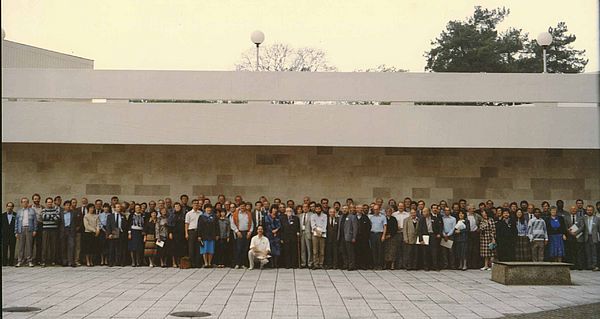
{"points": [[125, 292]]}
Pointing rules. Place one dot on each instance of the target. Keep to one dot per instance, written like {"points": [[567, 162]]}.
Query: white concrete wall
{"points": [[322, 125], [268, 86], [543, 125]]}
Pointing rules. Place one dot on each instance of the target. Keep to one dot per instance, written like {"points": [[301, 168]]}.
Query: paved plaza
{"points": [[103, 292]]}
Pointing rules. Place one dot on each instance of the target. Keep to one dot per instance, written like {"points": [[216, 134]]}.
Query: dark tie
{"points": [[573, 219]]}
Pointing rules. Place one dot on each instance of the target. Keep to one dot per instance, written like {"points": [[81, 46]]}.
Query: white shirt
{"points": [[261, 243], [191, 218], [400, 217], [26, 217], [472, 222]]}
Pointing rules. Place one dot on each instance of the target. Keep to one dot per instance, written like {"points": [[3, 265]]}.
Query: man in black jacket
{"points": [[68, 228], [9, 240], [429, 226], [115, 224], [331, 242], [363, 251], [290, 230]]}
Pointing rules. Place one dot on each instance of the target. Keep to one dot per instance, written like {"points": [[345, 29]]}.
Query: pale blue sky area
{"points": [[212, 34]]}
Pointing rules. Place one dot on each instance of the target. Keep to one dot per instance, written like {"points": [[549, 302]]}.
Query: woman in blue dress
{"points": [[461, 231], [136, 237], [557, 233], [272, 226]]}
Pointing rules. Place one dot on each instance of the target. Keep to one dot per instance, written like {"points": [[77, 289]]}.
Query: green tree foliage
{"points": [[475, 45]]}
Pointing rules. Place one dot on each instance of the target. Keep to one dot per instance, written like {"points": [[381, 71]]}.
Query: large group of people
{"points": [[405, 234]]}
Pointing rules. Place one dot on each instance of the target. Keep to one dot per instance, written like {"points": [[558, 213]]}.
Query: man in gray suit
{"points": [[574, 246], [306, 258], [347, 231], [591, 231]]}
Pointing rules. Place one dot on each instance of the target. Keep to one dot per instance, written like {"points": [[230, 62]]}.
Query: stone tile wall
{"points": [[144, 172]]}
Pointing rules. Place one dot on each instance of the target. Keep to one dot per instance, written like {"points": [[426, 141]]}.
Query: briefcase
{"points": [[185, 263]]}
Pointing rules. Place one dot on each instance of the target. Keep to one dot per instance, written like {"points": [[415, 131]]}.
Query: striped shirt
{"points": [[537, 229], [50, 218]]}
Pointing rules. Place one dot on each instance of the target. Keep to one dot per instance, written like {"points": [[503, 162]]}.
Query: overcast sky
{"points": [[212, 34]]}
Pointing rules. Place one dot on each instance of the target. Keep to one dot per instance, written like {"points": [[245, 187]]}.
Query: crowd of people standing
{"points": [[406, 234]]}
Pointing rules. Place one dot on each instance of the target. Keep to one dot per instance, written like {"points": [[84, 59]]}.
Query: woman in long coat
{"points": [[272, 226], [389, 245], [523, 245], [487, 228], [177, 242], [506, 237]]}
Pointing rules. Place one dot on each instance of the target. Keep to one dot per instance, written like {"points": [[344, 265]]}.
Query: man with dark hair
{"points": [[346, 236], [50, 225], [184, 203], [37, 240], [290, 203], [9, 239], [242, 227], [523, 205], [191, 232], [462, 205], [68, 227], [319, 232], [258, 216], [581, 211], [560, 209], [325, 205], [115, 231], [25, 229], [113, 202]]}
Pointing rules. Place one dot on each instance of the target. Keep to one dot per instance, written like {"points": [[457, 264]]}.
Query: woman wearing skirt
{"points": [[162, 234], [557, 233], [523, 247], [91, 225], [150, 238], [487, 228], [389, 245], [461, 231], [136, 237], [177, 242]]}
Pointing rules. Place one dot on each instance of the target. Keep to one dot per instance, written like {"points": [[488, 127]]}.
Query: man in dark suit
{"points": [[67, 231], [575, 245], [430, 226], [9, 240], [347, 232], [290, 230], [114, 233], [363, 250], [331, 241], [258, 216]]}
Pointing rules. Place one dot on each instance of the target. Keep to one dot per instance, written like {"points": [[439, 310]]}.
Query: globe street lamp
{"points": [[544, 39], [257, 38]]}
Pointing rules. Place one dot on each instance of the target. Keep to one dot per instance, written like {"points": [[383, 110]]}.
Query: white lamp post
{"points": [[544, 39], [257, 38]]}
